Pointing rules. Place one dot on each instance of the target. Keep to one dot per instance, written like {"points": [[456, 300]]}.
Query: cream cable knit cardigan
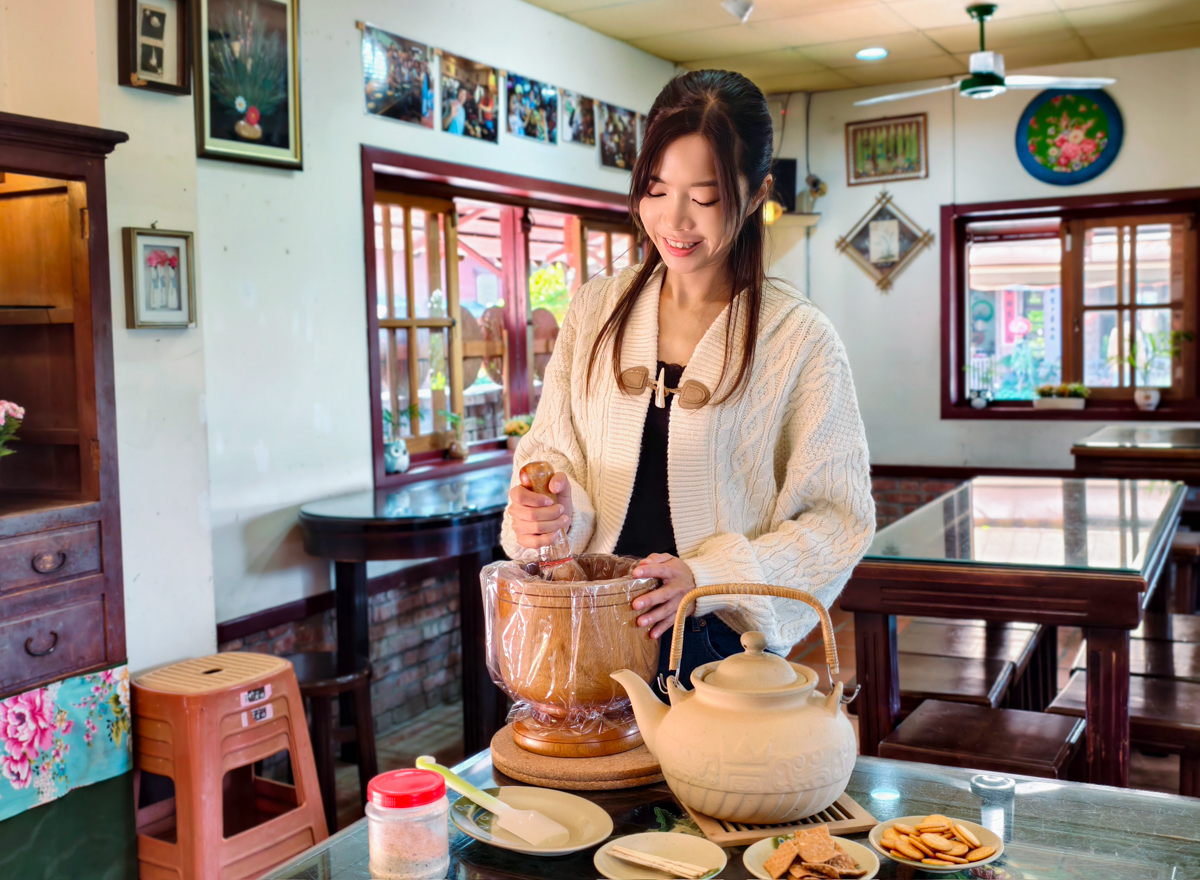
{"points": [[769, 487]]}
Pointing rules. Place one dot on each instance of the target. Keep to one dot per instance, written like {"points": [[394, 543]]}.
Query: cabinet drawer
{"points": [[48, 643], [49, 557]]}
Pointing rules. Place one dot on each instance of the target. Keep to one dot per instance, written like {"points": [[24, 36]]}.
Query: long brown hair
{"points": [[730, 112]]}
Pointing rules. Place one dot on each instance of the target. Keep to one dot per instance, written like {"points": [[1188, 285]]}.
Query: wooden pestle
{"points": [[557, 562]]}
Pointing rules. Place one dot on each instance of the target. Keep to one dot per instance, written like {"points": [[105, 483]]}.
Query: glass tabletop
{"points": [[483, 491], [1116, 437], [1052, 830], [1088, 524]]}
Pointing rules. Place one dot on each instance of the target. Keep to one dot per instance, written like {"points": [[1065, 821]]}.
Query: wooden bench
{"points": [[1185, 555], [982, 738], [977, 639], [1156, 659], [972, 680], [1169, 628], [1164, 716]]}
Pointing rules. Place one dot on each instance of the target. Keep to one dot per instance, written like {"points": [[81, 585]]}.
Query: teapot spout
{"points": [[647, 708], [833, 701]]}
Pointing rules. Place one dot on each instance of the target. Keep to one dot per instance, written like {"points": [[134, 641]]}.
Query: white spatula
{"points": [[529, 825]]}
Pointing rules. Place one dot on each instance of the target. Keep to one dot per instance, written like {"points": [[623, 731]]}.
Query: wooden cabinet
{"points": [[61, 601]]}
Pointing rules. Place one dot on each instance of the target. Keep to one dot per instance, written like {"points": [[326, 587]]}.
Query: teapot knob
{"points": [[754, 642]]}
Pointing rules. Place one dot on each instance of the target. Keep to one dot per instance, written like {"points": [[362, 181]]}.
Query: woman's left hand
{"points": [[660, 605]]}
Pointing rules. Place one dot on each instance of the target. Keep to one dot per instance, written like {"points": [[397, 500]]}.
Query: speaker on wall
{"points": [[784, 190]]}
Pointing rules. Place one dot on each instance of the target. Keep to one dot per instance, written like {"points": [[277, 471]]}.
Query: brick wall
{"points": [[416, 646], [897, 496]]}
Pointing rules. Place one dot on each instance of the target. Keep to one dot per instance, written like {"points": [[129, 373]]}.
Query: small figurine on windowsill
{"points": [[458, 448]]}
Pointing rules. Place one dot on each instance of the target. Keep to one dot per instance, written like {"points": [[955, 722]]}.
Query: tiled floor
{"points": [[438, 732]]}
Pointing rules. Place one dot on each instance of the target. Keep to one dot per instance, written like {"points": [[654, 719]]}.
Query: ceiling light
{"points": [[875, 53], [739, 9]]}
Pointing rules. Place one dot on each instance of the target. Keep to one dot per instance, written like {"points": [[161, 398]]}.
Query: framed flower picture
{"points": [[160, 279], [1067, 137], [248, 81], [884, 241]]}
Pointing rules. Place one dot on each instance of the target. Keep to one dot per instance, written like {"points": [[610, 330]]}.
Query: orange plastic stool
{"points": [[203, 724]]}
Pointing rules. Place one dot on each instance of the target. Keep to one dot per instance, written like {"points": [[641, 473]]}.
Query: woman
{"points": [[750, 465]]}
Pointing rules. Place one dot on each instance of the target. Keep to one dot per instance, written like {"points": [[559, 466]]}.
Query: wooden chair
{"points": [[1185, 556], [1155, 659], [199, 729], [1164, 716], [971, 680], [982, 738], [1169, 628], [321, 685]]}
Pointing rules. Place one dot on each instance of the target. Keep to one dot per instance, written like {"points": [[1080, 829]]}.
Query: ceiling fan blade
{"points": [[900, 96], [1057, 82]]}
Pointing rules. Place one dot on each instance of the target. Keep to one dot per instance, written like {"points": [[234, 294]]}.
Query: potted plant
{"points": [[11, 417], [458, 446], [1141, 358], [395, 451], [1066, 396], [516, 428]]}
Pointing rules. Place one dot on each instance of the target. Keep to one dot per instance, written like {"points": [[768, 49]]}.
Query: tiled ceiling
{"points": [[809, 45]]}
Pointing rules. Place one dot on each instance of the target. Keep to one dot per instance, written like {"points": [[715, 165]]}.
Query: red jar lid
{"points": [[406, 788]]}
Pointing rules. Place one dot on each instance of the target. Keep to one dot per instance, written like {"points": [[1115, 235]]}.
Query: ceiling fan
{"points": [[987, 77]]}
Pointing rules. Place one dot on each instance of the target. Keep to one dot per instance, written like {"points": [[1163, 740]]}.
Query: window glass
{"points": [[1100, 266], [1014, 319], [1154, 258], [1101, 349]]}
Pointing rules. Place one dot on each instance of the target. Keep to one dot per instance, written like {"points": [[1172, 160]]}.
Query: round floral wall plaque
{"points": [[1068, 136]]}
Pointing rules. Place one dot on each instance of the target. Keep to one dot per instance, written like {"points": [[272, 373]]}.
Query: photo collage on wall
{"points": [[399, 83]]}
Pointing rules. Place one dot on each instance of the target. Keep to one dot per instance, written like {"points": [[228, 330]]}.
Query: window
{"points": [[453, 349], [1094, 290]]}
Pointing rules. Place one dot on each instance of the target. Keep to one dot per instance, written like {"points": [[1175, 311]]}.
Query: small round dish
{"points": [[667, 844], [756, 854], [587, 823], [985, 837]]}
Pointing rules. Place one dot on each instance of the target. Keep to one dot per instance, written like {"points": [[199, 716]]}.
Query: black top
{"points": [[648, 527]]}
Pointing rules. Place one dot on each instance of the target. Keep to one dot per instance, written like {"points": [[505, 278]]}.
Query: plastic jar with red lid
{"points": [[408, 825]]}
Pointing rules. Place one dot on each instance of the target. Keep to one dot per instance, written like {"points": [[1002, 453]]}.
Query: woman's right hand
{"points": [[535, 518]]}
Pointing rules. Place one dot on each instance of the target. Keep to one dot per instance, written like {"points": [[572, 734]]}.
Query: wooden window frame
{"points": [[1075, 211], [413, 178]]}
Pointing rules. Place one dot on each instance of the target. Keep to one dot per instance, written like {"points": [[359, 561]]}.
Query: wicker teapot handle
{"points": [[831, 658]]}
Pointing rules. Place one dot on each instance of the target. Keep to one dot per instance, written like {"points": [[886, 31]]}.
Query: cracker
{"points": [[815, 845], [980, 852], [822, 869], [901, 828], [959, 849], [936, 862], [964, 834], [916, 841], [906, 849], [779, 862], [936, 841]]}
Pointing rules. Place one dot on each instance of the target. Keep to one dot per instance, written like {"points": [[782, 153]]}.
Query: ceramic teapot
{"points": [[753, 741]]}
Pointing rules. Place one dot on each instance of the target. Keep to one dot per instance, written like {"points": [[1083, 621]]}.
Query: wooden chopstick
{"points": [[669, 866]]}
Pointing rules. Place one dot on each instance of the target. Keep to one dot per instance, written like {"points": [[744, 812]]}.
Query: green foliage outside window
{"points": [[548, 290]]}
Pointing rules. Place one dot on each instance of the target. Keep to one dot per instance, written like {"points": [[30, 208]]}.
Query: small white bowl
{"points": [[666, 844], [759, 852], [983, 835]]}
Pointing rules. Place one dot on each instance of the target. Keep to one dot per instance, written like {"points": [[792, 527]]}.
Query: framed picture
{"points": [[532, 108], [881, 150], [884, 241], [248, 82], [160, 286], [618, 136], [1067, 137], [154, 45], [397, 77], [579, 119], [470, 97]]}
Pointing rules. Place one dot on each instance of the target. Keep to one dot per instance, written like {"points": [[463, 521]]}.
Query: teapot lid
{"points": [[754, 669]]}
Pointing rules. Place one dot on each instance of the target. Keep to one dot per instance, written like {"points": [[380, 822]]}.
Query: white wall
{"points": [[282, 260], [893, 339]]}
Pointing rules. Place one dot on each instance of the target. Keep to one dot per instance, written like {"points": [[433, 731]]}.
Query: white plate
{"points": [[667, 844], [587, 823], [985, 837], [759, 852]]}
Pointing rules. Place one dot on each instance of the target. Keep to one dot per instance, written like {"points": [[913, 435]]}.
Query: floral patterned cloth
{"points": [[63, 736]]}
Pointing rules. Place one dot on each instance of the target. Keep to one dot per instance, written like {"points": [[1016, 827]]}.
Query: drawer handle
{"points": [[32, 653], [45, 563]]}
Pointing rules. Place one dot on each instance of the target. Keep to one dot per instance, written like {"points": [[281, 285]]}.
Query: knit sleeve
{"points": [[824, 516], [553, 437]]}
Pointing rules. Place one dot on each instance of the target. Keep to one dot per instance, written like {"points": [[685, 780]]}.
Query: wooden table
{"points": [[1052, 830], [1168, 453], [454, 516], [1057, 552]]}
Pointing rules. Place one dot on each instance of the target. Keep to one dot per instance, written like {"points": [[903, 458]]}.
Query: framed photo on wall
{"points": [[884, 240], [248, 81], [154, 45], [881, 150], [160, 279]]}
